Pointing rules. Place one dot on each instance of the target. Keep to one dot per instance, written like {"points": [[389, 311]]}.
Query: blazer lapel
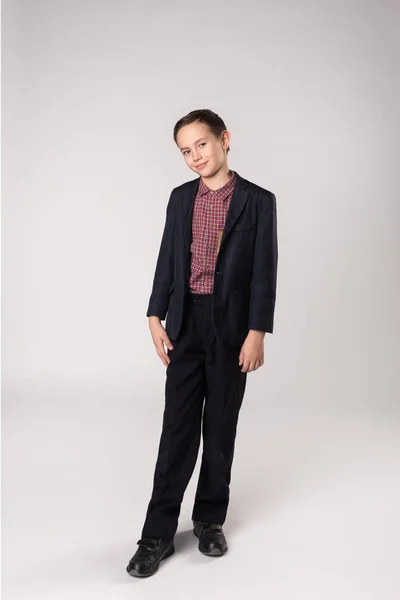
{"points": [[188, 211], [238, 202]]}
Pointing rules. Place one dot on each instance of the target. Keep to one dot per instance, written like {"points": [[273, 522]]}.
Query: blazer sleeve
{"points": [[265, 264], [164, 271]]}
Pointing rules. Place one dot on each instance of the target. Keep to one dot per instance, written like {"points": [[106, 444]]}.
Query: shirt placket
{"points": [[209, 231]]}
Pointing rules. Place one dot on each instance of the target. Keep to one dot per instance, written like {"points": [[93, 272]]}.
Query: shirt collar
{"points": [[221, 192]]}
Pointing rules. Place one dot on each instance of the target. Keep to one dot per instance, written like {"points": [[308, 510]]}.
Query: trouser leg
{"points": [[181, 430], [225, 388]]}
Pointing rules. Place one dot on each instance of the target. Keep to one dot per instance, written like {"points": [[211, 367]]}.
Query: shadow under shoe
{"points": [[212, 540], [147, 558]]}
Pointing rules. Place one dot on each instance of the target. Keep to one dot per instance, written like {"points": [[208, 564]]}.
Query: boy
{"points": [[215, 279]]}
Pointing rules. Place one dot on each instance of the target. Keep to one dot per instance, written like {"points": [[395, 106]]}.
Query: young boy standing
{"points": [[215, 279]]}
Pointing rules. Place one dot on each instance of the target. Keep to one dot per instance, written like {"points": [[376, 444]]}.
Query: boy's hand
{"points": [[160, 338], [252, 352]]}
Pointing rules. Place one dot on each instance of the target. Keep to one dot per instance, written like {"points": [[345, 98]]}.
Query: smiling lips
{"points": [[200, 166]]}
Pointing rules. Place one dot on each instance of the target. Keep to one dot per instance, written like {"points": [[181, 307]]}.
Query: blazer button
{"points": [[218, 272]]}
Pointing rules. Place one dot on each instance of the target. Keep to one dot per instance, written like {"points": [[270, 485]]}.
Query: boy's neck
{"points": [[220, 178]]}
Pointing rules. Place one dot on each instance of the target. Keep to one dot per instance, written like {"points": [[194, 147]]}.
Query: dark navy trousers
{"points": [[204, 390]]}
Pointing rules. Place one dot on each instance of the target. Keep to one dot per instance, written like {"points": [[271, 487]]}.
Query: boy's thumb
{"points": [[168, 343]]}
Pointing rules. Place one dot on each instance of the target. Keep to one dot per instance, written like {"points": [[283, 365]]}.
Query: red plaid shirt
{"points": [[209, 213]]}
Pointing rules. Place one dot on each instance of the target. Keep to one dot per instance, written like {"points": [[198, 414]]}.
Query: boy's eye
{"points": [[186, 151]]}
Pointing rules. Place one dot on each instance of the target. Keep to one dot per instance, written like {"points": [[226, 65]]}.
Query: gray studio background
{"points": [[91, 91]]}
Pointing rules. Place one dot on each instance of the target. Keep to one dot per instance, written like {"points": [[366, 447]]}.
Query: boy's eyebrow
{"points": [[202, 138]]}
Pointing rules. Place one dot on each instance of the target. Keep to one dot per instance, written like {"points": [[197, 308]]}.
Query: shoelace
{"points": [[211, 528], [149, 544]]}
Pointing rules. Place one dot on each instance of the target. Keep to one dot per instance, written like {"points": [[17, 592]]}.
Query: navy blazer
{"points": [[245, 274]]}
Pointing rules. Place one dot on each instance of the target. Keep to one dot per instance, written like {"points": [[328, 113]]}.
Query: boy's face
{"points": [[199, 146]]}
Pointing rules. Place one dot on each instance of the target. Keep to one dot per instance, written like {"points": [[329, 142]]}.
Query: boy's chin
{"points": [[206, 169]]}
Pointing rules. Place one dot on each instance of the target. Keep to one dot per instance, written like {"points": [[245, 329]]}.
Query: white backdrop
{"points": [[91, 91]]}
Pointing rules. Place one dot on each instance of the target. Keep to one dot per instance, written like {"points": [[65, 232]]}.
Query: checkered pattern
{"points": [[209, 214]]}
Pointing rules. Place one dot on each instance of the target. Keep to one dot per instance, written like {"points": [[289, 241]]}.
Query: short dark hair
{"points": [[204, 115]]}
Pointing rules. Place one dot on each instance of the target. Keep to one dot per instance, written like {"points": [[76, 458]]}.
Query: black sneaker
{"points": [[212, 540], [148, 556]]}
